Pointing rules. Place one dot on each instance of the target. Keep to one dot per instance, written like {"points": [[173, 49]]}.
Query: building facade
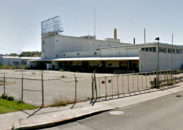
{"points": [[109, 55], [15, 60]]}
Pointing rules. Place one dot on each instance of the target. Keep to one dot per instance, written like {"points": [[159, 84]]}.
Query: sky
{"points": [[20, 20]]}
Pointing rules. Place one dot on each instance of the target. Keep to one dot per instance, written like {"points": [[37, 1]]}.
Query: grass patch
{"points": [[11, 106]]}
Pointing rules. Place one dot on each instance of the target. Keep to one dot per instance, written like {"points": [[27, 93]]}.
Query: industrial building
{"points": [[16, 60], [88, 54]]}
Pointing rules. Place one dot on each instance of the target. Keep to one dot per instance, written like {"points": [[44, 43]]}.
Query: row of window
{"points": [[151, 49], [95, 53], [163, 50]]}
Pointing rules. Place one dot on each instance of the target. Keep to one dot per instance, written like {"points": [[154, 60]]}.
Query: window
{"points": [[78, 54], [142, 49], [169, 50], [163, 50], [151, 49], [179, 51], [110, 64], [154, 49], [173, 50]]}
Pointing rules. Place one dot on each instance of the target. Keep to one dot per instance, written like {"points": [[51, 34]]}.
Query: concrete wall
{"points": [[148, 61], [124, 51], [12, 61], [58, 46], [15, 60]]}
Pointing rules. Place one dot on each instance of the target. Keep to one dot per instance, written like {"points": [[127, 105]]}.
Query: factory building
{"points": [[16, 60], [110, 55]]}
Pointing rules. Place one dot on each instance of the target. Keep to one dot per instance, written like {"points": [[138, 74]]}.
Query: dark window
{"points": [[162, 49]]}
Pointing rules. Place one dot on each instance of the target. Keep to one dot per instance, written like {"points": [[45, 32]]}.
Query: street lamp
{"points": [[157, 71]]}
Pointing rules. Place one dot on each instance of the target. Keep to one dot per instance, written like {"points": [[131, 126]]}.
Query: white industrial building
{"points": [[109, 55], [16, 60], [88, 54]]}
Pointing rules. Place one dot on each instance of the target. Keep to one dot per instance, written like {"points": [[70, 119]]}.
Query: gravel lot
{"points": [[61, 85]]}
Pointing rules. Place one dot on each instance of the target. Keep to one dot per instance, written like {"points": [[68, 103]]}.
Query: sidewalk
{"points": [[47, 116]]}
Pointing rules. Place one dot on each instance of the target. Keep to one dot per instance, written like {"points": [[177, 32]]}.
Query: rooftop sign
{"points": [[51, 25]]}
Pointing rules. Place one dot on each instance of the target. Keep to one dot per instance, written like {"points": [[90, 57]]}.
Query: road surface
{"points": [[164, 113]]}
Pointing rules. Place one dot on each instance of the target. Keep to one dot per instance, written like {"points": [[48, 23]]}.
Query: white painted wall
{"points": [[126, 51], [59, 46], [148, 61], [15, 60]]}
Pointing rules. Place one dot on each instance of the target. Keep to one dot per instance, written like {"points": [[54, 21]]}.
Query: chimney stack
{"points": [[115, 33], [133, 40]]}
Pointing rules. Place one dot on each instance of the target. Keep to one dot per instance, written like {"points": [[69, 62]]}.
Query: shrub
{"points": [[14, 67], [62, 70], [22, 67], [63, 76], [11, 98], [6, 67], [4, 96]]}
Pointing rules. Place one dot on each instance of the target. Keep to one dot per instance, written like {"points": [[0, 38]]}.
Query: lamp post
{"points": [[172, 60], [157, 71]]}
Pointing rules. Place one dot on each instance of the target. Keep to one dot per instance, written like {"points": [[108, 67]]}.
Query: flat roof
{"points": [[90, 59]]}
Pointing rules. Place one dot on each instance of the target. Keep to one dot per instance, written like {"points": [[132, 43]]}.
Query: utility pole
{"points": [[94, 22], [172, 59], [157, 71]]}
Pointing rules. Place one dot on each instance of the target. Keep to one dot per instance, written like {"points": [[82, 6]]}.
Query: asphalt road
{"points": [[165, 113]]}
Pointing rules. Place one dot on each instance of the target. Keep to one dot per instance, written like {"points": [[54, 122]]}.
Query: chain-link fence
{"points": [[46, 88], [52, 88], [121, 85]]}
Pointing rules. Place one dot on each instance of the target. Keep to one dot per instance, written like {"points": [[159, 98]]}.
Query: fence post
{"points": [[4, 84], [123, 84], [137, 83], [112, 87], [117, 85], [42, 83], [132, 75], [92, 91], [146, 80], [128, 83], [142, 81], [95, 87], [22, 87], [75, 88]]}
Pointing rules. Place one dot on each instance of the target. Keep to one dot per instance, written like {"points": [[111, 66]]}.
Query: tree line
{"points": [[27, 54]]}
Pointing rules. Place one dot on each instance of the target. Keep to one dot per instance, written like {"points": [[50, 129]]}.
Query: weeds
{"points": [[13, 67], [63, 76], [61, 102], [33, 73]]}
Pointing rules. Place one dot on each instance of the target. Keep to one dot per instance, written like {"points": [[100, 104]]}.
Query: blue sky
{"points": [[20, 28]]}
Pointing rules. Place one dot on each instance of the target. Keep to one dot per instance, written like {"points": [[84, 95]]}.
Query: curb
{"points": [[49, 119]]}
